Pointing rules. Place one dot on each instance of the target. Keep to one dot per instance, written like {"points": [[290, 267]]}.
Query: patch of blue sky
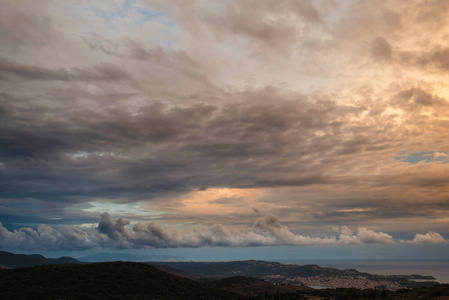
{"points": [[152, 15], [130, 209], [428, 157], [109, 15], [130, 6]]}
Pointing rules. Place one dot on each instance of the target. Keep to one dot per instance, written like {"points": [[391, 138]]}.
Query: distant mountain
{"points": [[112, 280], [11, 260], [299, 274], [255, 268], [106, 257]]}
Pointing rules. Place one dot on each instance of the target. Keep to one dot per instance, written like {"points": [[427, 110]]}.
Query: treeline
{"points": [[115, 280], [424, 293]]}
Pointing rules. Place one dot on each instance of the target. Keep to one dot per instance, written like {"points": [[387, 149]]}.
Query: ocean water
{"points": [[436, 268]]}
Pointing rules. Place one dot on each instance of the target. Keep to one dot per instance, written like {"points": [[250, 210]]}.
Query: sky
{"points": [[306, 128]]}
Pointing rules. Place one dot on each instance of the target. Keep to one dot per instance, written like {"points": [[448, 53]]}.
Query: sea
{"points": [[436, 268]]}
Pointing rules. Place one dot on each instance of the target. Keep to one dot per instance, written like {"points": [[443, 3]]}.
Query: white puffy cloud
{"points": [[428, 238], [367, 236], [363, 236]]}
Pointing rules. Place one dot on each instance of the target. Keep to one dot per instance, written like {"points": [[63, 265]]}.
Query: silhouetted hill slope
{"points": [[178, 272], [437, 292], [251, 286], [22, 260], [114, 280]]}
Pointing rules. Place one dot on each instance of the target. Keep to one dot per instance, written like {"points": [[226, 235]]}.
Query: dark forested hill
{"points": [[251, 286], [115, 280], [22, 260]]}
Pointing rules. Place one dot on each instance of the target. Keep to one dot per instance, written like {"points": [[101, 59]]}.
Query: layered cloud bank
{"points": [[116, 234]]}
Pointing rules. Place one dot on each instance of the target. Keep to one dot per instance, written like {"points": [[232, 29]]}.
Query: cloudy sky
{"points": [[224, 124]]}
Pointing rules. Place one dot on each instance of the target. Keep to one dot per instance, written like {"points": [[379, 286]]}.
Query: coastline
{"points": [[436, 268]]}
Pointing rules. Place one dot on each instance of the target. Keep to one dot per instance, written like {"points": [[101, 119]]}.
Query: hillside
{"points": [[299, 274], [12, 260], [115, 280], [178, 272], [251, 286]]}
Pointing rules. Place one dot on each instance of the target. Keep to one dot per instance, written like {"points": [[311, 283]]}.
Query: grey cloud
{"points": [[229, 200], [414, 100], [381, 49], [26, 23], [106, 72], [47, 238], [307, 11], [98, 43], [440, 58], [115, 230], [434, 60], [153, 56], [431, 14], [273, 28], [136, 49]]}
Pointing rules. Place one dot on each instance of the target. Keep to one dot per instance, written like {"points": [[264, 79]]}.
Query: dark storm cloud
{"points": [[261, 139], [78, 154]]}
